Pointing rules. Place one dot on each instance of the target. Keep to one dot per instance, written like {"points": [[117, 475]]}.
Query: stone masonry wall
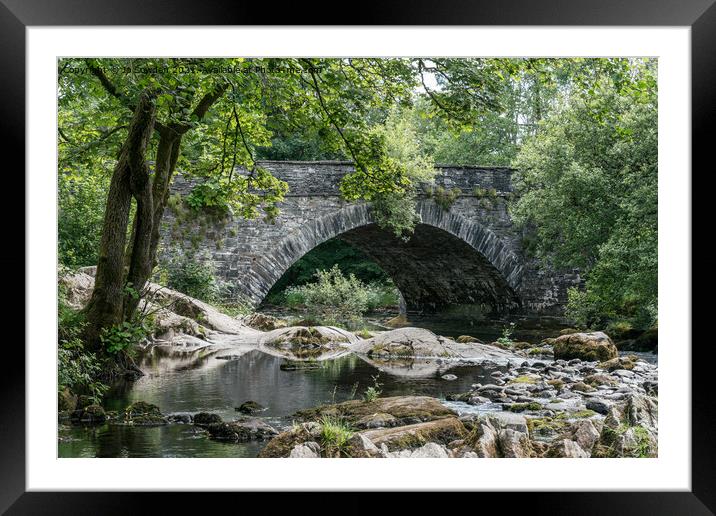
{"points": [[252, 254]]}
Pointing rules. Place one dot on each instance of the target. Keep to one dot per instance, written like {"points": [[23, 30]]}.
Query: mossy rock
{"points": [[442, 431], [264, 322], [141, 413], [242, 430], [591, 347], [391, 350], [617, 363], [405, 409], [545, 427], [282, 444], [91, 414], [531, 379], [468, 339], [250, 407], [521, 407], [206, 418]]}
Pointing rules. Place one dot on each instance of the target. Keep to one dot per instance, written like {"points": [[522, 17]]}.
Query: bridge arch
{"points": [[449, 259]]}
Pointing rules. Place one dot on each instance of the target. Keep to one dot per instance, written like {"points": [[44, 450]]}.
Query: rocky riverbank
{"points": [[573, 395]]}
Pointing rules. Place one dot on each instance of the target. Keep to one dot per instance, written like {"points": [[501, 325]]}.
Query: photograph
{"points": [[357, 257]]}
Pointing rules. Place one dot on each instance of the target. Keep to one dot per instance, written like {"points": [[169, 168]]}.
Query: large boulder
{"points": [[169, 325], [250, 407], [141, 413], [174, 313], [206, 418], [307, 342], [91, 414], [594, 346], [630, 429], [399, 410], [196, 310], [78, 288], [419, 342]]}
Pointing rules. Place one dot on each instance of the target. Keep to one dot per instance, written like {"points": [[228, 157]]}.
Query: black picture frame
{"points": [[17, 15]]}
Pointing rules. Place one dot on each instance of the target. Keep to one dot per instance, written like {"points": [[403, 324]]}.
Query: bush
{"points": [[122, 337], [193, 278], [382, 296], [81, 197], [583, 308], [332, 295], [77, 369]]}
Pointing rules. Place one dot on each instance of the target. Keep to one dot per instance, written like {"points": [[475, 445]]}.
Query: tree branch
{"points": [[331, 120]]}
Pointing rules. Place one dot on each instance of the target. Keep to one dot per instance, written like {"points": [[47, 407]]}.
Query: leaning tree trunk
{"points": [[147, 235], [151, 197], [120, 265], [130, 178]]}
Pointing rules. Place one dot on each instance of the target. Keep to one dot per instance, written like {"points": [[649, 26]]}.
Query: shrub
{"points": [[193, 278], [506, 339], [77, 369], [373, 392], [445, 198], [121, 338], [333, 296], [382, 296], [583, 308]]}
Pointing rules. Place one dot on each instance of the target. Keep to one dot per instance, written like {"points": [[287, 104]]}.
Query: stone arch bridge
{"points": [[468, 254]]}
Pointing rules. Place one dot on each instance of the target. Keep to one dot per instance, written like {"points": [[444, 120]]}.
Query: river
{"points": [[186, 383]]}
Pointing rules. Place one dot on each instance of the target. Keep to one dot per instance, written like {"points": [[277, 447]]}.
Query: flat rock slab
{"points": [[440, 431], [405, 410], [419, 342]]}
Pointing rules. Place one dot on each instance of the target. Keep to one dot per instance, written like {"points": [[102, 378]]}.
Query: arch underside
{"points": [[435, 269], [448, 260]]}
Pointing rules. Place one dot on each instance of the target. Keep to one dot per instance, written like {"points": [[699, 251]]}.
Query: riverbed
{"points": [[220, 380]]}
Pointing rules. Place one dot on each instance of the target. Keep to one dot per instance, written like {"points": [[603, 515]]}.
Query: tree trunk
{"points": [[106, 306], [110, 303]]}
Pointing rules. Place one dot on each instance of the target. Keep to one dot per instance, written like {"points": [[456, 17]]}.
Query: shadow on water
{"points": [[221, 385]]}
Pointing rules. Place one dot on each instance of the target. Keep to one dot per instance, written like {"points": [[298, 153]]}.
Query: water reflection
{"points": [[221, 385]]}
